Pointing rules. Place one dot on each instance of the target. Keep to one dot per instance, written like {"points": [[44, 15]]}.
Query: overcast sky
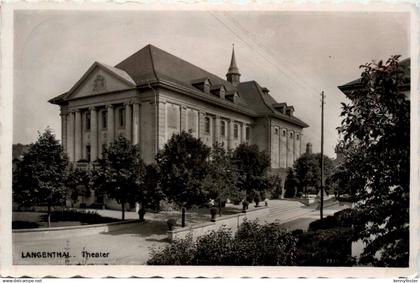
{"points": [[294, 54]]}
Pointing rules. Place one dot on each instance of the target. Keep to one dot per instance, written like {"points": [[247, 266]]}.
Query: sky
{"points": [[296, 55]]}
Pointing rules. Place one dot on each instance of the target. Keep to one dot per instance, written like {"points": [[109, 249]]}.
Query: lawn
{"points": [[64, 218]]}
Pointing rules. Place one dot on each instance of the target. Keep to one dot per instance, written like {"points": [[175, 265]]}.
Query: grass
{"points": [[60, 218]]}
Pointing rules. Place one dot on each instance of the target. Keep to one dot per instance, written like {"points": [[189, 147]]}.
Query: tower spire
{"points": [[233, 72]]}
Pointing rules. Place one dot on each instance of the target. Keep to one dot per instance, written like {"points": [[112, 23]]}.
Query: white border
{"points": [[6, 122]]}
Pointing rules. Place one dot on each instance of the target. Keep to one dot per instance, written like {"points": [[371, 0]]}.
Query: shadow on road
{"points": [[145, 229]]}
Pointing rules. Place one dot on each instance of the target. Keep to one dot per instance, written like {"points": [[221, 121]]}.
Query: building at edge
{"points": [[152, 94]]}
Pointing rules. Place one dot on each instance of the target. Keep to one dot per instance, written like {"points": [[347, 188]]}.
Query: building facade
{"points": [[152, 95]]}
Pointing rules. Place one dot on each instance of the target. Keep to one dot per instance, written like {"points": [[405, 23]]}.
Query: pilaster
{"points": [[136, 122], [93, 133], [110, 123], [78, 136], [128, 121]]}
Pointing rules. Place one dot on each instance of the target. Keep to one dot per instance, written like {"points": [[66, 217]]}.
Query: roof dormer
{"points": [[218, 90], [233, 96], [281, 107], [289, 110], [203, 84]]}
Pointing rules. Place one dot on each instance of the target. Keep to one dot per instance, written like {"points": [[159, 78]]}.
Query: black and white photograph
{"points": [[212, 137]]}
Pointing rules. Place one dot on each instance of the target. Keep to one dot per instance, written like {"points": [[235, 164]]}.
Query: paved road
{"points": [[132, 245]]}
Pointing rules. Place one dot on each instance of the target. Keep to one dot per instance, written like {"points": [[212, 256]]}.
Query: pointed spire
{"points": [[233, 72], [233, 68]]}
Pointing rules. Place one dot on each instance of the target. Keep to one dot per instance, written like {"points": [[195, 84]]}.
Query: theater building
{"points": [[153, 94]]}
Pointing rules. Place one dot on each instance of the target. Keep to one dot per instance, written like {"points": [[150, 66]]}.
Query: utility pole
{"points": [[321, 207]]}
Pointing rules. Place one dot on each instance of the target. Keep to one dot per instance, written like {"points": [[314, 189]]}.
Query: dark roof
{"points": [[153, 65], [356, 84], [263, 104]]}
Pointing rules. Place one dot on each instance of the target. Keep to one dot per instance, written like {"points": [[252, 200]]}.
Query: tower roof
{"points": [[233, 68]]}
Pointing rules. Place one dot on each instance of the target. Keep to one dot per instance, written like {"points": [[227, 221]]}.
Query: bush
{"points": [[274, 187], [330, 247], [85, 217], [215, 248], [267, 244], [328, 222], [171, 223], [253, 244], [24, 225], [179, 252], [345, 217], [289, 192]]}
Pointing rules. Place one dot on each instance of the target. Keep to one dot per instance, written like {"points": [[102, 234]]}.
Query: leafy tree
{"points": [[38, 178], [120, 172], [77, 182], [274, 185], [290, 184], [375, 136], [251, 165], [183, 168], [150, 194], [221, 175], [307, 169]]}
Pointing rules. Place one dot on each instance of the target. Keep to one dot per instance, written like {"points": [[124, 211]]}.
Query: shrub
{"points": [[85, 217], [267, 244], [179, 252], [24, 225], [215, 248], [322, 224], [253, 244], [289, 192], [257, 199], [330, 247], [171, 223], [345, 217]]}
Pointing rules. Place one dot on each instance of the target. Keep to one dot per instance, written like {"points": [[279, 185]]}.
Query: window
{"points": [[297, 137], [87, 121], [173, 119], [235, 131], [121, 118], [88, 153], [104, 119], [192, 120], [223, 128], [284, 133], [207, 125], [276, 131], [291, 135], [247, 133]]}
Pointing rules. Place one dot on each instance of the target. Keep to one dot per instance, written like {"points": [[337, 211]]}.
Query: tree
{"points": [[77, 182], [183, 167], [150, 194], [251, 165], [120, 172], [307, 169], [221, 175], [375, 136], [38, 178]]}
